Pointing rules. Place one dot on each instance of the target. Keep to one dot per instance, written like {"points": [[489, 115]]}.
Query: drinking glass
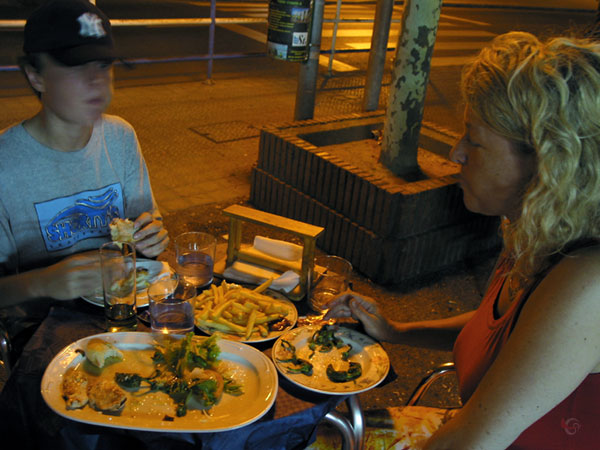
{"points": [[332, 281], [171, 305], [195, 256], [118, 286]]}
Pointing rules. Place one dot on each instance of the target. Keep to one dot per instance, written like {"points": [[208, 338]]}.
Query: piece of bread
{"points": [[97, 351], [121, 230]]}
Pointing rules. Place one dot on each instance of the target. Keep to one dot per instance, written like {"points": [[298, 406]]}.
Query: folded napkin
{"points": [[272, 250], [278, 249]]}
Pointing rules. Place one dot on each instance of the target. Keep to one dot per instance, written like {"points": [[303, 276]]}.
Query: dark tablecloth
{"points": [[31, 424]]}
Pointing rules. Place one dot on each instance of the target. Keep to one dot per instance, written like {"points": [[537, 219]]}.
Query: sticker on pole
{"points": [[288, 30]]}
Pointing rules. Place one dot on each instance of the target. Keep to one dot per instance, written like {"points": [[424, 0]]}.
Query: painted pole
{"points": [[377, 54], [410, 76]]}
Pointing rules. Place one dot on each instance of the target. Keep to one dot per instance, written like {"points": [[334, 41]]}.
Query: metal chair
{"points": [[428, 380], [5, 349], [352, 431]]}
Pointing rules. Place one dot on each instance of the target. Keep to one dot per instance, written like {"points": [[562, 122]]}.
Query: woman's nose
{"points": [[458, 153]]}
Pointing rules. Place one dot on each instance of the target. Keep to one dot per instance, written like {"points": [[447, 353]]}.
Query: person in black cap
{"points": [[70, 169]]}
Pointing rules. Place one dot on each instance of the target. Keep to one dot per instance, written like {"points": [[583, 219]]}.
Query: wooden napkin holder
{"points": [[308, 233]]}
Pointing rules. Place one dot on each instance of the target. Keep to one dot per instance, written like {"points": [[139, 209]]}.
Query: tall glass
{"points": [[195, 257], [332, 280], [171, 305], [118, 285]]}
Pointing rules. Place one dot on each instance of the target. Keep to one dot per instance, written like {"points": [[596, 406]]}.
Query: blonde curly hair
{"points": [[545, 97]]}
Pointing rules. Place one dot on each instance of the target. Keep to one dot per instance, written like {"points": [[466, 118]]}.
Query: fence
{"points": [[211, 22]]}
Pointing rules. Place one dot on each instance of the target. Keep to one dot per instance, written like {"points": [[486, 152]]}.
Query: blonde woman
{"points": [[528, 360]]}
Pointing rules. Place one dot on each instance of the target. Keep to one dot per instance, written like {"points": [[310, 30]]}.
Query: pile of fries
{"points": [[232, 309]]}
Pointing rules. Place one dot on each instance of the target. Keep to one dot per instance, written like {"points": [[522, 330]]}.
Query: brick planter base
{"points": [[391, 232]]}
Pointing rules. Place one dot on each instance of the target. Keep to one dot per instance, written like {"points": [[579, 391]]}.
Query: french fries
{"points": [[233, 309]]}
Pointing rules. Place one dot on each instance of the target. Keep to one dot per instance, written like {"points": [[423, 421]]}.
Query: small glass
{"points": [[171, 305], [330, 282], [195, 257], [118, 286]]}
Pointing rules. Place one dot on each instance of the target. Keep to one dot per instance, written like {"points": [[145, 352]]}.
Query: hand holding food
{"points": [[121, 230], [151, 237], [146, 232], [243, 312]]}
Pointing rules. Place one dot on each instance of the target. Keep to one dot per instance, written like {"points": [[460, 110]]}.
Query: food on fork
{"points": [[121, 230], [74, 388], [98, 352]]}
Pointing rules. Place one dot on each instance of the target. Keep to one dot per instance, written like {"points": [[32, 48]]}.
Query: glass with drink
{"points": [[171, 305], [330, 278], [195, 256], [118, 285]]}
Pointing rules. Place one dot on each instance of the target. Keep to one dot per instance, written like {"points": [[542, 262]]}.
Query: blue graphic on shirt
{"points": [[68, 220]]}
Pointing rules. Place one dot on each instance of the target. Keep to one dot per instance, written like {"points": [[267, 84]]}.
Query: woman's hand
{"points": [[363, 309], [151, 238], [70, 278]]}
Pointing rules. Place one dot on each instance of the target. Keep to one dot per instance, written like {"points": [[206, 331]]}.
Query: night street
{"points": [[200, 136]]}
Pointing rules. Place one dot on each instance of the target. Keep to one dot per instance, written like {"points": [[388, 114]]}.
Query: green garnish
{"points": [[172, 361], [341, 376]]}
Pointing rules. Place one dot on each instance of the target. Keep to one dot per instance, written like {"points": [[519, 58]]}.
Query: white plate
{"points": [[366, 351], [156, 269], [292, 317], [247, 365]]}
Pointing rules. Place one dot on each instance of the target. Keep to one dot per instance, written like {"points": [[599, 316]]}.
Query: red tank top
{"points": [[572, 424]]}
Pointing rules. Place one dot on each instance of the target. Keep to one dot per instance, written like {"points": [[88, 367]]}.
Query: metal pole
{"points": [[333, 38], [307, 79], [211, 39], [379, 42]]}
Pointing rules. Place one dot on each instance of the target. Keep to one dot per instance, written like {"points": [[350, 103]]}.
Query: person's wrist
{"points": [[35, 285], [397, 331]]}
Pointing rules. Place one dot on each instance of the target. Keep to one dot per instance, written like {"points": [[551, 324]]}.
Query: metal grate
{"points": [[221, 132]]}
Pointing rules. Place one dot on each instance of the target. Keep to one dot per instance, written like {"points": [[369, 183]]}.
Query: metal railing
{"points": [[211, 22]]}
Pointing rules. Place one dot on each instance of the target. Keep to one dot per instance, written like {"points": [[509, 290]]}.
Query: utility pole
{"points": [[377, 54], [309, 69]]}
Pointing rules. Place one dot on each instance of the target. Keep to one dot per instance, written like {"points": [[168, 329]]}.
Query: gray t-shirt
{"points": [[54, 203]]}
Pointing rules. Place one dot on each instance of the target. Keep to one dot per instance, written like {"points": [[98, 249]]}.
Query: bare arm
{"points": [[367, 311], [72, 277], [553, 347]]}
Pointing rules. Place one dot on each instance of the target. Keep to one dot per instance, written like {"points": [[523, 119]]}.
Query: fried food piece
{"points": [[74, 388], [142, 278], [121, 230], [105, 396], [97, 351]]}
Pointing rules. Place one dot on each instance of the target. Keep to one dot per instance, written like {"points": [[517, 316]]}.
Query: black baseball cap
{"points": [[73, 32]]}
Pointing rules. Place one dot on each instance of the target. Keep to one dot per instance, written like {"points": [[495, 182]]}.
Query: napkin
{"points": [[278, 249], [271, 249]]}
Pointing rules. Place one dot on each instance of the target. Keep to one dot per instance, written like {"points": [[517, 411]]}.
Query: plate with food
{"points": [[147, 272], [141, 381], [242, 314], [330, 359]]}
